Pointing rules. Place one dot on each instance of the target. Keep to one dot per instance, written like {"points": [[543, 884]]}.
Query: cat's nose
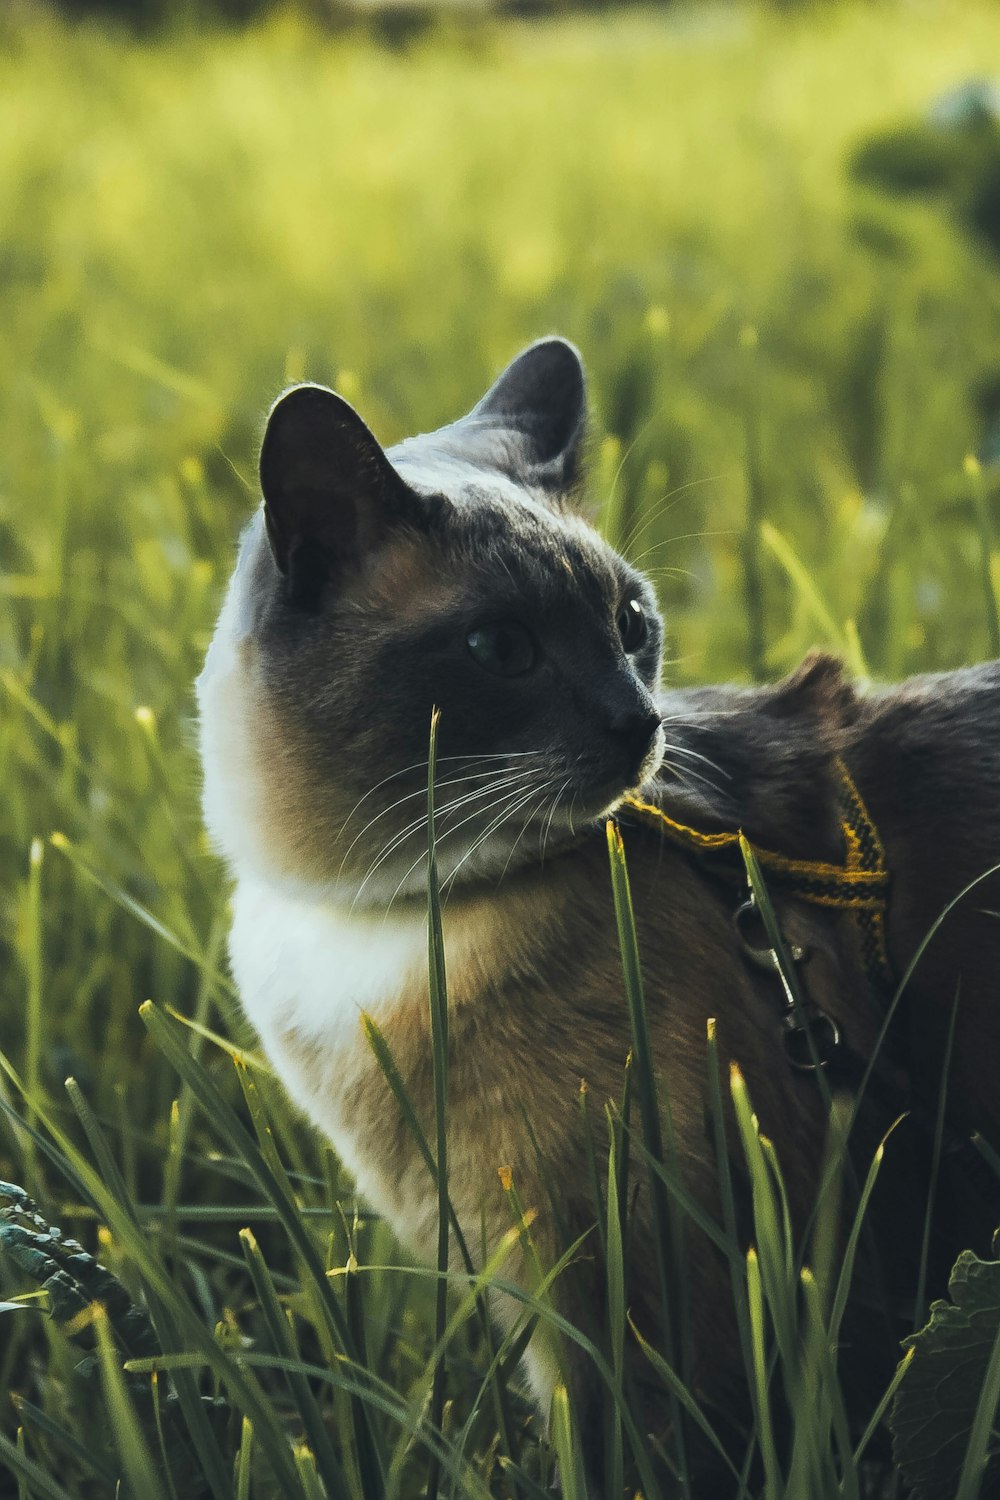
{"points": [[635, 730]]}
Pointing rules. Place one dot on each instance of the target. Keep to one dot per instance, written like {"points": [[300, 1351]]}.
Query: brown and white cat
{"points": [[451, 572]]}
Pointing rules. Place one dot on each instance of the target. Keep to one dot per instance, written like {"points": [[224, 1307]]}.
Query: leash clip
{"points": [[809, 1037], [765, 957]]}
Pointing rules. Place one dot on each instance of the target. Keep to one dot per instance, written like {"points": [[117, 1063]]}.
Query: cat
{"points": [[453, 572]]}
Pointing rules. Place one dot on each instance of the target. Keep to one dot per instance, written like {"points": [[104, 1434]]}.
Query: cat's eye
{"points": [[631, 624], [503, 647]]}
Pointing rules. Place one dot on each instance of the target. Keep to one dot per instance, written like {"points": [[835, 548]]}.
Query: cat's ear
{"points": [[330, 493], [541, 398]]}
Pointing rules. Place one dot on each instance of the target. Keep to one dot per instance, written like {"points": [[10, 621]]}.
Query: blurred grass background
{"points": [[789, 373]]}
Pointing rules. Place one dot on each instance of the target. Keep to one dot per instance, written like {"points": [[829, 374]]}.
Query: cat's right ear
{"points": [[330, 493], [541, 398]]}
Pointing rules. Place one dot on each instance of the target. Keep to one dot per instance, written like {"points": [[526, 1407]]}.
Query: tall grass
{"points": [[301, 1406]]}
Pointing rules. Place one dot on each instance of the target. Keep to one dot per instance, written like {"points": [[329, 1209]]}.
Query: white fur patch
{"points": [[229, 786], [306, 971], [313, 968]]}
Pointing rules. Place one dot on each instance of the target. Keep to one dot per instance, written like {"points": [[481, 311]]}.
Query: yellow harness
{"points": [[859, 885]]}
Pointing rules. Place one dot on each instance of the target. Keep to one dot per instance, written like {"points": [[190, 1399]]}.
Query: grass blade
{"points": [[875, 1420], [666, 1230], [34, 1026], [243, 1461], [731, 1245], [438, 1001], [615, 1276], [144, 1480], [849, 1256], [244, 1149], [673, 1382], [920, 1296], [804, 584], [98, 1144], [977, 1452], [369, 1456], [784, 963], [984, 526], [284, 1343], [81, 1452], [772, 1262], [760, 1388], [28, 1473], [566, 1441], [753, 572]]}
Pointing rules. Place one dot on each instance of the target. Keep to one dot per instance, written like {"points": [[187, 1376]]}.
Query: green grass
{"points": [[784, 373]]}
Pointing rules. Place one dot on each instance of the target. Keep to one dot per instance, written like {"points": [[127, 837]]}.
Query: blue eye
{"points": [[504, 648], [632, 625]]}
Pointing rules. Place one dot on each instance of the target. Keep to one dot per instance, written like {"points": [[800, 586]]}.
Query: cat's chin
{"points": [[594, 804]]}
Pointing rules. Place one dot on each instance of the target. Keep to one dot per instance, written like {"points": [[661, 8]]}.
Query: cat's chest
{"points": [[313, 969], [307, 972]]}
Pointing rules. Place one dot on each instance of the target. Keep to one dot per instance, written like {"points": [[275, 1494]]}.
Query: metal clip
{"points": [[809, 1036], [764, 958]]}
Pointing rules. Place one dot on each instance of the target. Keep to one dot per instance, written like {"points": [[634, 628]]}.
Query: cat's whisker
{"points": [[685, 776], [661, 507], [416, 766], [653, 416], [569, 815], [713, 765], [387, 851], [512, 785], [663, 571], [709, 716], [547, 825], [508, 812], [442, 760], [480, 812], [639, 558], [514, 799], [506, 567], [491, 755], [532, 812], [496, 781], [695, 536], [421, 823], [408, 797]]}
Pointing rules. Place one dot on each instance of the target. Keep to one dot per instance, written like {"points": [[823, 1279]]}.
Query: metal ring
{"points": [[801, 1054]]}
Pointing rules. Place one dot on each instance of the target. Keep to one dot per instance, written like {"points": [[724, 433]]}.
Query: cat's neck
{"points": [[314, 962]]}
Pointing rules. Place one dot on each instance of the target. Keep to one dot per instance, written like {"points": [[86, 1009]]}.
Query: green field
{"points": [[786, 377]]}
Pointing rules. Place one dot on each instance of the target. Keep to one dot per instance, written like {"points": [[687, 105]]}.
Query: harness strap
{"points": [[859, 885]]}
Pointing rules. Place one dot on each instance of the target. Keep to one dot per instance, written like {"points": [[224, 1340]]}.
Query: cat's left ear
{"points": [[541, 401], [330, 493]]}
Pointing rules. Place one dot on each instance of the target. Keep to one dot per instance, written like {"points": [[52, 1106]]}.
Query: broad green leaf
{"points": [[935, 1406]]}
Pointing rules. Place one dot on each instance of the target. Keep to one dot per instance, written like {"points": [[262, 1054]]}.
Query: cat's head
{"points": [[448, 572]]}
